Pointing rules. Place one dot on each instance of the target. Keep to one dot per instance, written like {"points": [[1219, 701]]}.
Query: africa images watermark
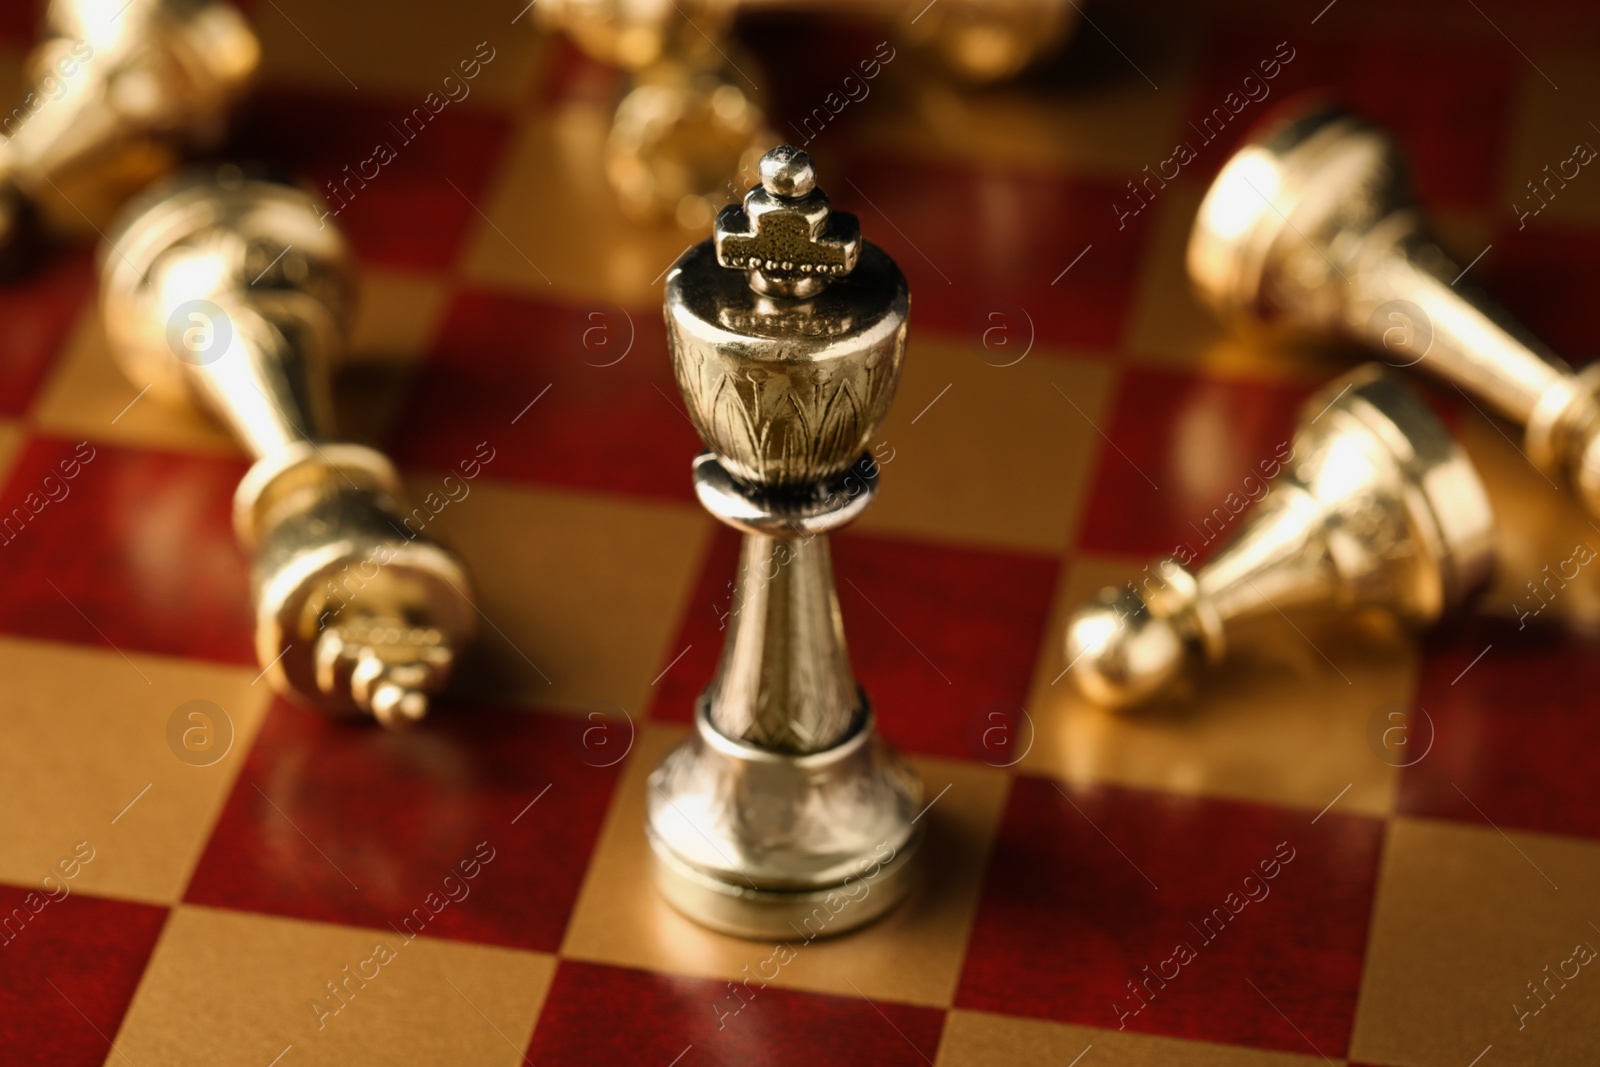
{"points": [[851, 90], [54, 890], [1211, 926], [1211, 127], [54, 489], [66, 63], [411, 126], [1583, 954], [1583, 153]]}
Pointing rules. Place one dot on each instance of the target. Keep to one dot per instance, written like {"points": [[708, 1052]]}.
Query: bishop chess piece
{"points": [[114, 92], [1312, 226], [1377, 507], [232, 292], [783, 814]]}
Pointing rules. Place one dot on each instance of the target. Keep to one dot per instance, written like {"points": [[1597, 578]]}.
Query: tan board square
{"points": [[1541, 526], [91, 754], [227, 988], [586, 250], [1278, 723], [913, 955], [1110, 130], [992, 455], [88, 397], [1465, 918], [580, 593], [977, 1039], [376, 48]]}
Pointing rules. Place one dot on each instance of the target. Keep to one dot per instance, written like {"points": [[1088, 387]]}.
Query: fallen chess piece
{"points": [[114, 93], [691, 123], [784, 813], [1379, 508], [1312, 226], [232, 292]]}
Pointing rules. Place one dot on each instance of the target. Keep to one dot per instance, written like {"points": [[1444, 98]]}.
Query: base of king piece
{"points": [[765, 844]]}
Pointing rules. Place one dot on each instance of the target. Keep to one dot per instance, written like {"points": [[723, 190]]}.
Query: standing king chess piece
{"points": [[1312, 226], [231, 292], [114, 90], [1377, 508], [783, 812]]}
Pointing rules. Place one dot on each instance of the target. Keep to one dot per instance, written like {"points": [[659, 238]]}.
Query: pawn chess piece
{"points": [[1377, 508], [113, 91], [1312, 226], [233, 292], [783, 813]]}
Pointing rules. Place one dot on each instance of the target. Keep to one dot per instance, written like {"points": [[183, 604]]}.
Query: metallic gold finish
{"points": [[785, 810], [1312, 226], [114, 89], [988, 40], [678, 139], [636, 34], [232, 293], [690, 124], [1379, 508]]}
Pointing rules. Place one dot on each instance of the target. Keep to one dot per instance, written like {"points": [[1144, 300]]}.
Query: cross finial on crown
{"points": [[784, 237]]}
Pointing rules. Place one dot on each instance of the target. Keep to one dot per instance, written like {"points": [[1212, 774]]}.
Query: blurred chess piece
{"points": [[679, 140], [783, 812], [233, 292], [983, 41], [688, 124], [115, 91], [1377, 508], [1312, 225], [690, 128]]}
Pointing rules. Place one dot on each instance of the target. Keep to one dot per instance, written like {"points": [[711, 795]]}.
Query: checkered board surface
{"points": [[225, 914]]}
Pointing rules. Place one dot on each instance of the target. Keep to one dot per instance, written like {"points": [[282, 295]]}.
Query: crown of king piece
{"points": [[784, 236]]}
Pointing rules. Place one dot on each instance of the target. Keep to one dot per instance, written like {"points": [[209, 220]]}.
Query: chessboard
{"points": [[1354, 845]]}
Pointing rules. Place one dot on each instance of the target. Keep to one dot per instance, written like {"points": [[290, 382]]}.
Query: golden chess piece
{"points": [[688, 124], [784, 813], [233, 292], [1312, 226], [114, 91], [988, 40], [1377, 507], [637, 34], [679, 139]]}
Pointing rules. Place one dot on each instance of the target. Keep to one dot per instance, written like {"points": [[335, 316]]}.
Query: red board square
{"points": [[940, 637], [36, 312], [597, 1014], [605, 411], [344, 823], [974, 241], [68, 972], [1185, 457], [1447, 100], [136, 551], [1071, 916], [396, 207], [1545, 275], [1512, 734]]}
